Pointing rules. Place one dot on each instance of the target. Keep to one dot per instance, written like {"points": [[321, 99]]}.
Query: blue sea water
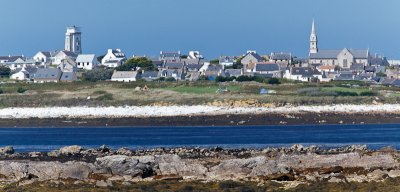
{"points": [[46, 139]]}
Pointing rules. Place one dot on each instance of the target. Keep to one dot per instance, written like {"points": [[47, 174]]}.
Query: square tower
{"points": [[73, 40]]}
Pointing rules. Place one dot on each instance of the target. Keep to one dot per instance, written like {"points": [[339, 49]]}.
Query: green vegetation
{"points": [[201, 90], [21, 90], [133, 63], [5, 71], [99, 74]]}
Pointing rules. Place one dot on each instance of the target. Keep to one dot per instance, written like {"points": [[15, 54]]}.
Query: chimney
{"points": [[109, 51]]}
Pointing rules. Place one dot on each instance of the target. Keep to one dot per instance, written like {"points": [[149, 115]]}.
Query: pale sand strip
{"points": [[165, 111]]}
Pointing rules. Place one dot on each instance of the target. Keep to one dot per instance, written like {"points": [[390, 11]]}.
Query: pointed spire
{"points": [[313, 27]]}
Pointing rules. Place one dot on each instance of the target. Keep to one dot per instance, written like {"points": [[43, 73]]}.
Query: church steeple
{"points": [[313, 39]]}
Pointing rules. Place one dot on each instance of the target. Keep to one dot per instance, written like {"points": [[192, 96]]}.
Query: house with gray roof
{"points": [[250, 59], [233, 72], [44, 57], [61, 55], [113, 58], [46, 75], [15, 62], [227, 60], [177, 74], [86, 61], [68, 77], [174, 65], [170, 56], [124, 76], [285, 58], [149, 75], [305, 74], [268, 68], [343, 58], [194, 67]]}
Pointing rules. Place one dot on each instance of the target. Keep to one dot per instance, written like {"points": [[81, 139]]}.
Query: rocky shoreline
{"points": [[209, 120], [288, 167]]}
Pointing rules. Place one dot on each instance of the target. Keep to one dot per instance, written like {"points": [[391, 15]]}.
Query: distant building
{"points": [[170, 56], [113, 58], [227, 61], [343, 58], [44, 57], [73, 40], [45, 75], [124, 76], [86, 61], [284, 58], [62, 55]]}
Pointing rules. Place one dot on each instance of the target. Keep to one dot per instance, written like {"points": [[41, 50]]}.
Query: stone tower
{"points": [[73, 40], [313, 39]]}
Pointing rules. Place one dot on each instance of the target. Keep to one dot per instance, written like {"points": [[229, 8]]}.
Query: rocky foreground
{"points": [[289, 167]]}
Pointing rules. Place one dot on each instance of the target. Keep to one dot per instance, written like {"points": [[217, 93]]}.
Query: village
{"points": [[71, 65]]}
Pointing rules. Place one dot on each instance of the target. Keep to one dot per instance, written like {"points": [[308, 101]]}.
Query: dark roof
{"points": [[332, 54], [281, 56], [149, 74], [48, 73], [175, 65], [194, 66], [68, 76], [370, 69], [267, 67], [226, 59], [233, 72], [305, 71], [11, 58], [255, 55], [357, 67], [380, 61], [214, 68]]}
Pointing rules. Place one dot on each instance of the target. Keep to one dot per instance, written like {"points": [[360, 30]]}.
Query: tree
{"points": [[135, 62], [381, 74], [214, 61], [274, 81], [4, 71], [99, 74]]}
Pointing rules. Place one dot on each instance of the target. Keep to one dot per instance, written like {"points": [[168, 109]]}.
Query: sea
{"points": [[324, 136]]}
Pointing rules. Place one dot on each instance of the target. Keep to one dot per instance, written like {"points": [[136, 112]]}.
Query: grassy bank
{"points": [[191, 93]]}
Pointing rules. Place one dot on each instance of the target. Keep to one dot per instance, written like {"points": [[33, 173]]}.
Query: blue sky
{"points": [[214, 27]]}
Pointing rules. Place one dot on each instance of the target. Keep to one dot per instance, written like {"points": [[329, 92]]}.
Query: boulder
{"points": [[71, 150], [123, 165], [124, 151], [8, 150]]}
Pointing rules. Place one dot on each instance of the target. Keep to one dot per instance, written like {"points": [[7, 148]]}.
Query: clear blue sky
{"points": [[214, 27]]}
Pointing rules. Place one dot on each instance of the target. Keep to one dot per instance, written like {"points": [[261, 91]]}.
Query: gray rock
{"points": [[103, 184], [8, 150], [124, 151], [123, 165], [71, 150]]}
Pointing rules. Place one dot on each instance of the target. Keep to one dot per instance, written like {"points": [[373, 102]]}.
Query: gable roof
{"points": [[174, 65], [11, 59], [124, 74], [281, 56], [332, 54], [267, 67], [255, 55], [86, 58], [48, 73], [305, 71], [68, 76]]}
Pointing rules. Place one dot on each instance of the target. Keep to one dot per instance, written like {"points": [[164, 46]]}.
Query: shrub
{"points": [[99, 92], [274, 81], [1, 91], [315, 92], [21, 90], [105, 97], [368, 93], [169, 79], [346, 93], [99, 74], [220, 79], [225, 185]]}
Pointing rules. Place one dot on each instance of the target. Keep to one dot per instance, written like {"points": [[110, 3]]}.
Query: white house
{"points": [[124, 76], [20, 75], [227, 61], [43, 57], [61, 55], [86, 61], [113, 58], [67, 65], [305, 74]]}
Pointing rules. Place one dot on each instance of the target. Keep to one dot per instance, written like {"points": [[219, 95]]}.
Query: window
{"points": [[344, 62]]}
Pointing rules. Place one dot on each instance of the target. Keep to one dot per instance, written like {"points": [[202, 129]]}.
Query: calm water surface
{"points": [[45, 139]]}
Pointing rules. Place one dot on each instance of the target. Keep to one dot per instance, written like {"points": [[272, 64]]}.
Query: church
{"points": [[343, 58]]}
